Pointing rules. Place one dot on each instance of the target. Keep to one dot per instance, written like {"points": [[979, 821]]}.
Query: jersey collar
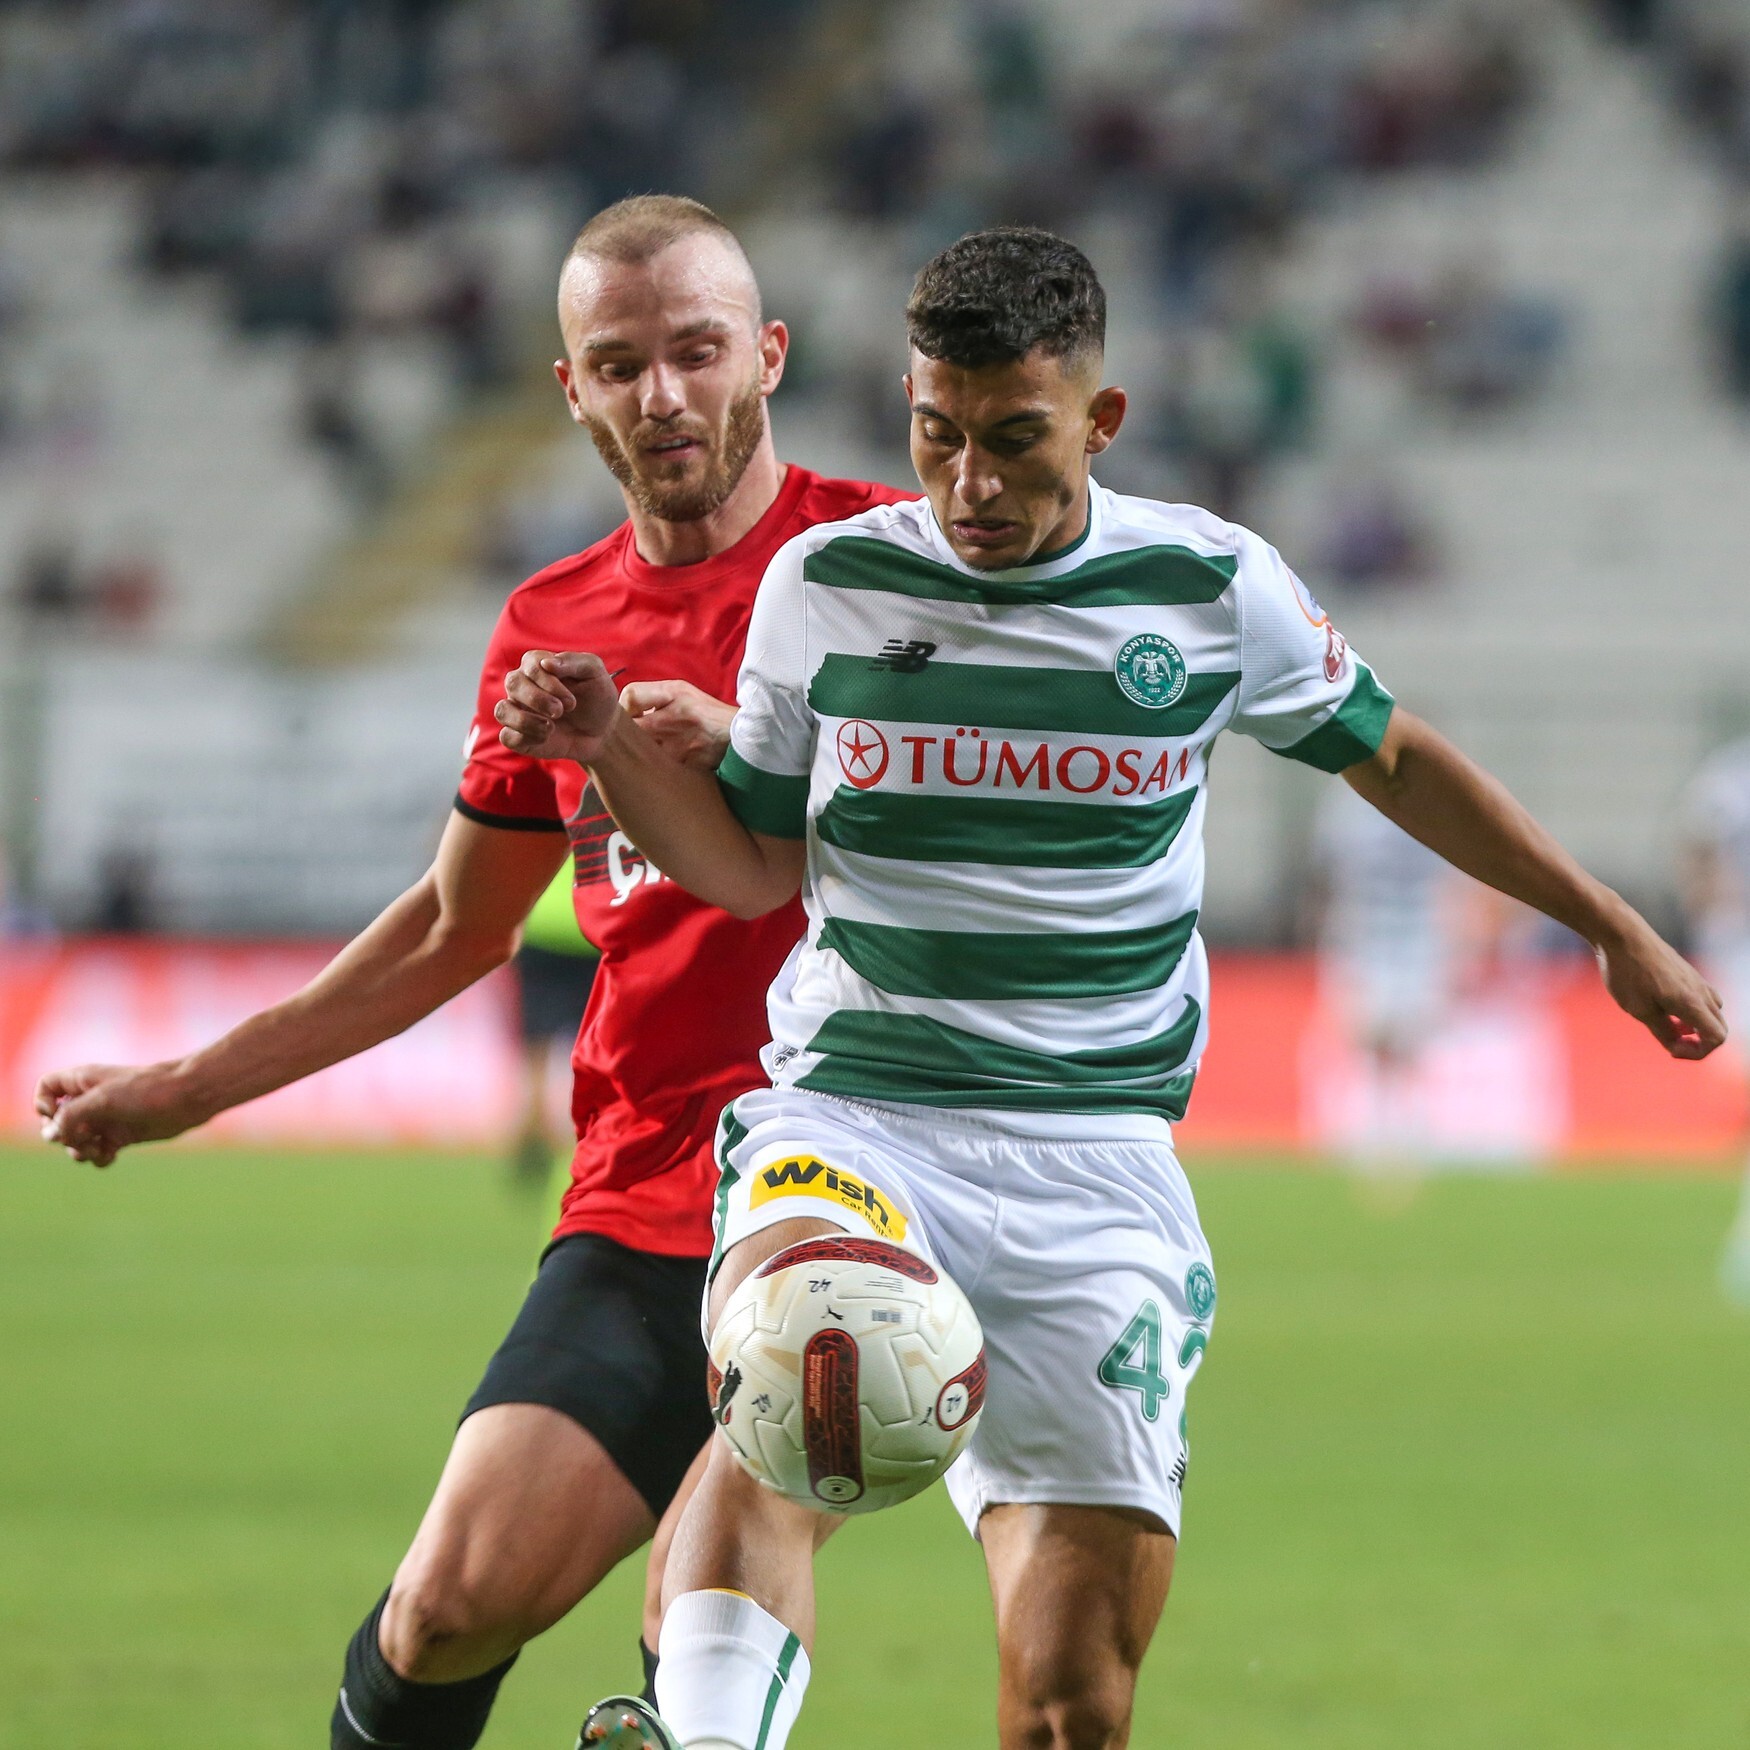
{"points": [[1062, 562]]}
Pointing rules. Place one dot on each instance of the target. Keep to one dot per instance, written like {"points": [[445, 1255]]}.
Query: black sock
{"points": [[379, 1709], [648, 1692]]}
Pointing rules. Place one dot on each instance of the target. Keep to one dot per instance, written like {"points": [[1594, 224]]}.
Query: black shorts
{"points": [[554, 989], [610, 1337]]}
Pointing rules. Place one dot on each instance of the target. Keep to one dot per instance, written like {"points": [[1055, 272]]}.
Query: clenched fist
{"points": [[558, 706], [97, 1109]]}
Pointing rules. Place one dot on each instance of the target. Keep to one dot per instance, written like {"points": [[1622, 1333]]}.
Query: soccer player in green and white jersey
{"points": [[975, 731]]}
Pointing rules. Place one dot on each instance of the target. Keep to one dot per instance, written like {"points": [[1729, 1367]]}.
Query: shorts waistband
{"points": [[1070, 1127]]}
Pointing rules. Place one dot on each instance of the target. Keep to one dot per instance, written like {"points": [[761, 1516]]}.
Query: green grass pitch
{"points": [[1471, 1472]]}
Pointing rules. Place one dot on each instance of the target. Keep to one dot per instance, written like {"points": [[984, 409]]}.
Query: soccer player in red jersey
{"points": [[582, 1430]]}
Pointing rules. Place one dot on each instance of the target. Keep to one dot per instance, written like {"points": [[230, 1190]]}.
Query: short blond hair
{"points": [[644, 225]]}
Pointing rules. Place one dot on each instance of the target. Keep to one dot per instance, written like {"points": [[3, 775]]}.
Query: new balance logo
{"points": [[907, 658]]}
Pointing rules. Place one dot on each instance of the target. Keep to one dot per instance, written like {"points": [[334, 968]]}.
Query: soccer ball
{"points": [[847, 1374]]}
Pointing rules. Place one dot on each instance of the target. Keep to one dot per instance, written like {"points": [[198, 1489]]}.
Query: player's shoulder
{"points": [[826, 499], [1132, 521], [1233, 563], [565, 580], [901, 521]]}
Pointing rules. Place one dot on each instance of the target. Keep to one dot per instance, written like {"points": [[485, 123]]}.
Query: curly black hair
{"points": [[995, 295]]}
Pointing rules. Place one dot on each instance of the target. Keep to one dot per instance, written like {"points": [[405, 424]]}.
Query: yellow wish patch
{"points": [[805, 1176]]}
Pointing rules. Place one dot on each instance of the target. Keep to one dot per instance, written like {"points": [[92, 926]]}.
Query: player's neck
{"points": [[1069, 530], [666, 543]]}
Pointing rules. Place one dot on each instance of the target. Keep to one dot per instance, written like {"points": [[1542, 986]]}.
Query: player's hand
{"points": [[96, 1110], [558, 706], [688, 724], [1653, 982]]}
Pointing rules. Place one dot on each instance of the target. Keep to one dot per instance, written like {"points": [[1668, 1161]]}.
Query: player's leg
{"points": [[739, 1583], [1078, 1592], [1096, 1307], [656, 1566], [530, 1515], [738, 1587], [577, 1438]]}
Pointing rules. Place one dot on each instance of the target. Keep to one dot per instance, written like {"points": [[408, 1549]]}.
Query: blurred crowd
{"points": [[1700, 51], [336, 164], [1186, 145]]}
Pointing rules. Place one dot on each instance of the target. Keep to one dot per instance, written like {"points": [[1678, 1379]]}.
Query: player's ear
{"points": [[910, 396], [1105, 414], [774, 349], [562, 370]]}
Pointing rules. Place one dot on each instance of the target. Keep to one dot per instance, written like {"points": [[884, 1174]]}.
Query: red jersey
{"points": [[677, 1017]]}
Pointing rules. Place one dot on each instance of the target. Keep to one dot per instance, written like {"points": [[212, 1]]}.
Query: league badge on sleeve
{"points": [[1336, 652]]}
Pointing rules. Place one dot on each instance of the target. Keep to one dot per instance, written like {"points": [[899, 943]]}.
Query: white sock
{"points": [[731, 1676]]}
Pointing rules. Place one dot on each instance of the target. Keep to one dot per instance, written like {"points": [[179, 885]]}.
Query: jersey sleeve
{"points": [[498, 787], [1303, 692], [771, 742]]}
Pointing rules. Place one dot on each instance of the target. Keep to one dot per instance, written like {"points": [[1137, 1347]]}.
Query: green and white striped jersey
{"points": [[1000, 778]]}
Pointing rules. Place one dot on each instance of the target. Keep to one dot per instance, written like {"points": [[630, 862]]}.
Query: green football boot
{"points": [[625, 1722]]}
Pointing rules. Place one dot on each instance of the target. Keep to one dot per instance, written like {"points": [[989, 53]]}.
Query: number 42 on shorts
{"points": [[1133, 1363]]}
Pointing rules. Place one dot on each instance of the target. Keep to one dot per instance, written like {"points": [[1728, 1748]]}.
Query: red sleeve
{"points": [[501, 788], [882, 494]]}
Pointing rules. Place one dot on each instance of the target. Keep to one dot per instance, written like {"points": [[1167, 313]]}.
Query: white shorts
{"points": [[1083, 1260]]}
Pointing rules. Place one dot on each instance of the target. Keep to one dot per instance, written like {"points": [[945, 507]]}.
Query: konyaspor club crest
{"points": [[1150, 671]]}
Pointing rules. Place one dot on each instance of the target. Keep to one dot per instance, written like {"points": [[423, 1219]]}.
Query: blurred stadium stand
{"points": [[1439, 296]]}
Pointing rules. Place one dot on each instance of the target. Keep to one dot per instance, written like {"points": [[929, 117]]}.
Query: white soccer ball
{"points": [[847, 1374]]}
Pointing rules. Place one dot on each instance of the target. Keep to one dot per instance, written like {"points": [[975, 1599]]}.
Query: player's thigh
{"points": [[1078, 1593], [573, 1444], [530, 1514], [744, 1256], [794, 1166], [609, 1337]]}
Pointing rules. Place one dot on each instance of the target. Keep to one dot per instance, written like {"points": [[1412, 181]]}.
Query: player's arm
{"points": [[565, 706], [1419, 780], [461, 919]]}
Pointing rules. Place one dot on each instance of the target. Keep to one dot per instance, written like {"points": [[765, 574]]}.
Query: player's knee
{"points": [[437, 1626], [1064, 1704], [1089, 1719]]}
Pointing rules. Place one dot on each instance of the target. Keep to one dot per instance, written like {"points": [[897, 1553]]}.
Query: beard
{"points": [[676, 498]]}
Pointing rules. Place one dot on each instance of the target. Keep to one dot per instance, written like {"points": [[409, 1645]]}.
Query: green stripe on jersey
{"points": [[1353, 733], [764, 801], [912, 1059], [1069, 701], [1001, 829], [1161, 576], [1004, 966]]}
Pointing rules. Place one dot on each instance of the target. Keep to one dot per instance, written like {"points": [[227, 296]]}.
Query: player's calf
{"points": [[1078, 1592]]}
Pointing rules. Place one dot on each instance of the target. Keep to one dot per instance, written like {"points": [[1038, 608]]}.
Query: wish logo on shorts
{"points": [[805, 1176]]}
